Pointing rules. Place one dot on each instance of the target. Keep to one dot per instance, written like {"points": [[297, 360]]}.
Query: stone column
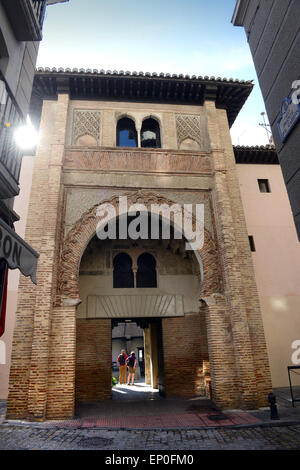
{"points": [[138, 131]]}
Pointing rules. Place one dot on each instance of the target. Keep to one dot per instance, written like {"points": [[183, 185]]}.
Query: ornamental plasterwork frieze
{"points": [[188, 126], [86, 122]]}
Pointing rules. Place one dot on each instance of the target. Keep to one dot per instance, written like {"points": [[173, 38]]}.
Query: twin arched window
{"points": [[123, 276], [127, 134]]}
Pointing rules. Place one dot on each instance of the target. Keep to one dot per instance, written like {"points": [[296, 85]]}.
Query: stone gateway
{"points": [[155, 139]]}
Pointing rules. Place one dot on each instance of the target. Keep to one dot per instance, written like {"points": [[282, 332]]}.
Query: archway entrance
{"points": [[155, 284], [144, 338]]}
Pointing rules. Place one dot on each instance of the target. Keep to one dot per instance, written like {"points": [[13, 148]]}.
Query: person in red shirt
{"points": [[122, 367]]}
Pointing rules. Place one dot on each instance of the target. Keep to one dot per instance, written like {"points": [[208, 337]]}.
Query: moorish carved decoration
{"points": [[188, 126], [86, 122]]}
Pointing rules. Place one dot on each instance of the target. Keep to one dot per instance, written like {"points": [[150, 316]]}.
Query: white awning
{"points": [[17, 253]]}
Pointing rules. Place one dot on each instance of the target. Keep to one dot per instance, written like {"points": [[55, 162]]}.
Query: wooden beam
{"points": [[169, 89], [153, 88], [131, 88], [161, 88], [146, 88], [183, 91]]}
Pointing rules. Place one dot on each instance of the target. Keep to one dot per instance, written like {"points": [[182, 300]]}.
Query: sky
{"points": [[194, 37]]}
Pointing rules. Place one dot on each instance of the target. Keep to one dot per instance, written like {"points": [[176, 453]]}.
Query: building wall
{"points": [[228, 294], [276, 262], [269, 220], [19, 67], [183, 356], [93, 360], [17, 64], [272, 30], [21, 207]]}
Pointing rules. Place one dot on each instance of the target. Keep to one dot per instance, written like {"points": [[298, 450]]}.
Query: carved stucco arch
{"points": [[122, 115], [84, 229], [155, 117]]}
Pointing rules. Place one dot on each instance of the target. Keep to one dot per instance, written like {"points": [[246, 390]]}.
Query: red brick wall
{"points": [[183, 356], [93, 360], [61, 371]]}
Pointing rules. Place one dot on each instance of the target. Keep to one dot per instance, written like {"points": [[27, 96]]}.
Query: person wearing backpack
{"points": [[131, 363], [122, 367]]}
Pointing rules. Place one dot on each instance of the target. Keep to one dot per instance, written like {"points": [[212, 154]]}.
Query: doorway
{"points": [[143, 336]]}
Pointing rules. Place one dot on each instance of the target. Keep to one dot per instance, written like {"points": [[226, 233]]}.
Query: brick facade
{"points": [[183, 356], [57, 358], [93, 360]]}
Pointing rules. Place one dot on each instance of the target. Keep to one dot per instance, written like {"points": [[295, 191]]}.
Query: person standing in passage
{"points": [[131, 363], [122, 367]]}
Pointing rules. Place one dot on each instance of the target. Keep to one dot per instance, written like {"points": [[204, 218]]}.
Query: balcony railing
{"points": [[11, 118], [26, 18]]}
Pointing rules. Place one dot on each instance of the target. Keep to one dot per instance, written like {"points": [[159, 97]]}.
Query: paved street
{"points": [[254, 431], [35, 437]]}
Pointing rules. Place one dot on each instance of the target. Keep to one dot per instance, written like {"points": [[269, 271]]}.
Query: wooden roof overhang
{"points": [[141, 87], [264, 155]]}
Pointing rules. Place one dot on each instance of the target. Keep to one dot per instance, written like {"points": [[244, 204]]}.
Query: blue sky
{"points": [[192, 37]]}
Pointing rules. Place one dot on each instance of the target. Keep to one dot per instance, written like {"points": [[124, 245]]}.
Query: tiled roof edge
{"points": [[141, 74]]}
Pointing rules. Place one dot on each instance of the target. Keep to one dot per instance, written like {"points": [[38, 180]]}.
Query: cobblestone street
{"points": [[259, 434], [36, 437]]}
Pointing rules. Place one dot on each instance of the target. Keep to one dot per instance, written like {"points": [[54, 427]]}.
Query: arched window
{"points": [[123, 274], [150, 134], [126, 133], [146, 273]]}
